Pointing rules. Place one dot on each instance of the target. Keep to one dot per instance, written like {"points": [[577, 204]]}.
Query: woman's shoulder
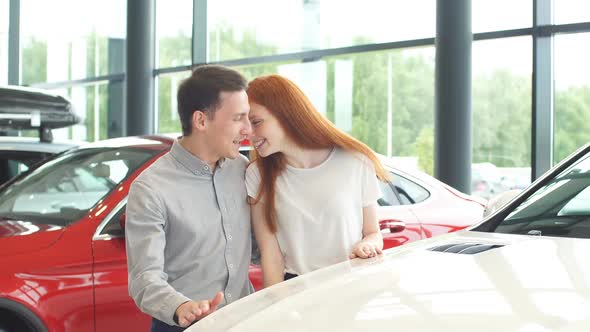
{"points": [[252, 168], [353, 156]]}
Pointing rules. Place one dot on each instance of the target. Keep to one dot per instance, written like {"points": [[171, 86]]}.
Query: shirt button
{"points": [[229, 237], [206, 167], [228, 295], [231, 266]]}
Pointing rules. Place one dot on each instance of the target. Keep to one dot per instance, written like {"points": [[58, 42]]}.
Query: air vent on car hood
{"points": [[465, 248]]}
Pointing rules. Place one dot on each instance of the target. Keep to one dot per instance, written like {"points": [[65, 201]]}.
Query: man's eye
{"points": [[256, 122]]}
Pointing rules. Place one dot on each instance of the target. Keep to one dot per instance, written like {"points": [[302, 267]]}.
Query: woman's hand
{"points": [[371, 244], [365, 249]]}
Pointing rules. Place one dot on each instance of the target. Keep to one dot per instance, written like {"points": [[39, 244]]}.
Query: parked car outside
{"points": [[62, 247], [486, 180], [524, 268]]}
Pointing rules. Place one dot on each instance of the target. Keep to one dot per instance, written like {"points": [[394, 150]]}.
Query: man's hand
{"points": [[190, 311], [365, 249]]}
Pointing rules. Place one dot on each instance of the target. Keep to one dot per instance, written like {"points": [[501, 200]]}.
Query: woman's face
{"points": [[267, 135]]}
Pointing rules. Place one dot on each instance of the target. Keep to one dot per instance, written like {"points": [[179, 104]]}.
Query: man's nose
{"points": [[247, 130]]}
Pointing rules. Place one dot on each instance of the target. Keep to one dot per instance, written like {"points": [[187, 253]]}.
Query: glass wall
{"points": [[572, 94], [296, 25], [173, 32], [384, 98], [501, 15], [166, 107], [65, 40], [501, 101], [90, 103], [571, 11], [4, 19]]}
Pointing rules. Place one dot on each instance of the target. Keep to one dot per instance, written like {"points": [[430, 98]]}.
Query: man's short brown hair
{"points": [[200, 92]]}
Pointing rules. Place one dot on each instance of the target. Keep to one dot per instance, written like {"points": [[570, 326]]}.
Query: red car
{"points": [[416, 206], [62, 248]]}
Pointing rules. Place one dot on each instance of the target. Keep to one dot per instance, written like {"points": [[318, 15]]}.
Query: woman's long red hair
{"points": [[304, 126]]}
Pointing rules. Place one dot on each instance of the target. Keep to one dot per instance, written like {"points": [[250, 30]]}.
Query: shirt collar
{"points": [[190, 161]]}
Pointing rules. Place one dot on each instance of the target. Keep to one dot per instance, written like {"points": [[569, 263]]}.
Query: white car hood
{"points": [[528, 284]]}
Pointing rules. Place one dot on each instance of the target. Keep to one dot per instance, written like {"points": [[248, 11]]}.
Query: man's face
{"points": [[230, 125]]}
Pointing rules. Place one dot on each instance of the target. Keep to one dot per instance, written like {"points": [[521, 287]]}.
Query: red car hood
{"points": [[17, 237]]}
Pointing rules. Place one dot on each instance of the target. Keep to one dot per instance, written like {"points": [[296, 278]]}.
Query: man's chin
{"points": [[233, 155]]}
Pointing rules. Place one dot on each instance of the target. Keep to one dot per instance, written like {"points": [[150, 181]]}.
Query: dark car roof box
{"points": [[27, 108]]}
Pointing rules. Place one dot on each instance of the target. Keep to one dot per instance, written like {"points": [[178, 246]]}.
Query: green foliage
{"points": [[368, 114], [425, 150], [226, 44], [412, 93], [572, 120], [502, 119], [34, 62], [168, 121], [93, 68], [175, 51]]}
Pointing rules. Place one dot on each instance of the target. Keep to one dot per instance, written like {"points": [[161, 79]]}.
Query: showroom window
{"points": [[360, 92], [572, 93], [495, 15], [386, 100], [173, 33], [299, 25], [90, 103], [501, 102], [381, 94], [166, 108], [571, 11], [68, 40], [253, 71]]}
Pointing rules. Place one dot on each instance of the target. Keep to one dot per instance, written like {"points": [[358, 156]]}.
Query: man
{"points": [[188, 222]]}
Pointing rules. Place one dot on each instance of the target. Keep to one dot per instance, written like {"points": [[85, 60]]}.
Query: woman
{"points": [[313, 188]]}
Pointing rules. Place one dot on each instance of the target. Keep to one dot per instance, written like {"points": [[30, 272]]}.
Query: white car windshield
{"points": [[63, 189], [560, 208]]}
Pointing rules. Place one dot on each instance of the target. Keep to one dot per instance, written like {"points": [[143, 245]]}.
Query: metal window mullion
{"points": [[140, 67], [542, 105], [453, 112], [14, 43], [200, 40]]}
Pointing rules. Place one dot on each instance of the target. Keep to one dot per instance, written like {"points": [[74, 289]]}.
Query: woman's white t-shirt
{"points": [[320, 210]]}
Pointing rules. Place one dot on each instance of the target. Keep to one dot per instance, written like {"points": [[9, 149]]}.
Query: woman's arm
{"points": [[372, 242], [271, 258]]}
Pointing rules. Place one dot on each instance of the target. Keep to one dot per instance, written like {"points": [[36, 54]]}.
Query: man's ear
{"points": [[199, 120]]}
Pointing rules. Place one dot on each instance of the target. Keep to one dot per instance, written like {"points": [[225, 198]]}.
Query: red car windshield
{"points": [[63, 189]]}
